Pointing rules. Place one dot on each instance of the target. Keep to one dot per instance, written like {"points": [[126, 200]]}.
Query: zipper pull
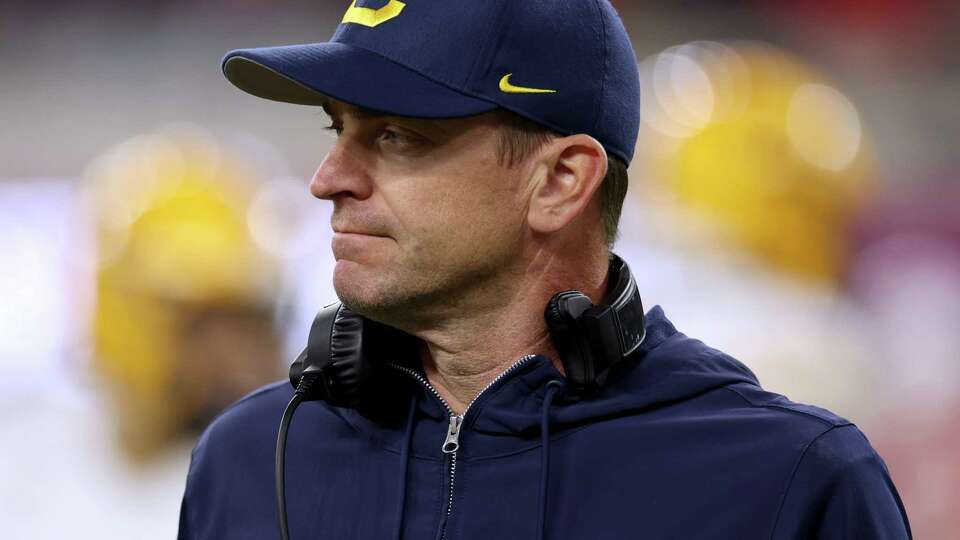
{"points": [[452, 444]]}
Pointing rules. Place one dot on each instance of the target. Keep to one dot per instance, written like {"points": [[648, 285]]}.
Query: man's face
{"points": [[424, 215]]}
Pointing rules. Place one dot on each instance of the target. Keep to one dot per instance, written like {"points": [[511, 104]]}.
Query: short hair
{"points": [[520, 138]]}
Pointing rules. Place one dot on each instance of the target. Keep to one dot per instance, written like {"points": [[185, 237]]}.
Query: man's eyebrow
{"points": [[359, 112]]}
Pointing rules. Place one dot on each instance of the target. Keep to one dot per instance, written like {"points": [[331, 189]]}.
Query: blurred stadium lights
{"points": [[823, 126], [761, 146], [690, 86], [686, 87], [679, 92]]}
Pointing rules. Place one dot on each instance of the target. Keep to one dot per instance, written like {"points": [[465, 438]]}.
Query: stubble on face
{"points": [[452, 221]]}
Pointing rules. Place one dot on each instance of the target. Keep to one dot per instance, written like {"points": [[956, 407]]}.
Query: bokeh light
{"points": [[823, 126]]}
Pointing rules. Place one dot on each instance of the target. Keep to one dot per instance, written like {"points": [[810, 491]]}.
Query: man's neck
{"points": [[461, 357], [459, 365]]}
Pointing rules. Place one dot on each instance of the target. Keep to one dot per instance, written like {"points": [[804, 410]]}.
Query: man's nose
{"points": [[343, 173]]}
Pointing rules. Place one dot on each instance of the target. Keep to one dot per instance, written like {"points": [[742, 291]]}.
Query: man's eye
{"points": [[392, 136], [397, 138], [335, 129]]}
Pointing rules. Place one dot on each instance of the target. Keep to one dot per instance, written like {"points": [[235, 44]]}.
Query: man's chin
{"points": [[358, 286], [371, 293]]}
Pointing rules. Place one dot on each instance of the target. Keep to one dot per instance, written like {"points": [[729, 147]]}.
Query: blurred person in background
{"points": [[678, 441], [757, 167], [137, 306], [184, 316]]}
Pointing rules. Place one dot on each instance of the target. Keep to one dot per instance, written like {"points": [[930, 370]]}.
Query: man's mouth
{"points": [[358, 233]]}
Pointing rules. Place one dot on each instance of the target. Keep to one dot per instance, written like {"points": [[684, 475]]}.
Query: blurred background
{"points": [[795, 202]]}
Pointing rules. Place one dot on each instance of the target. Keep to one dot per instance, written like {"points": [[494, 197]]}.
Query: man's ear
{"points": [[571, 170]]}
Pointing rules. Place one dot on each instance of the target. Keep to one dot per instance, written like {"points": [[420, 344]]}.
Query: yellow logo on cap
{"points": [[508, 88], [372, 17]]}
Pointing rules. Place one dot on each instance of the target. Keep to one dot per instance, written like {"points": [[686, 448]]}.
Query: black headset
{"points": [[345, 351], [345, 362]]}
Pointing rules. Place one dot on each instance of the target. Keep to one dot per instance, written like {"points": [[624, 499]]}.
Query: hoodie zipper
{"points": [[451, 444]]}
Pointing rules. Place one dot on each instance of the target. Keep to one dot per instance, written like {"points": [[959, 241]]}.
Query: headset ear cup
{"points": [[335, 351], [316, 356], [347, 370], [591, 339], [562, 315], [349, 353]]}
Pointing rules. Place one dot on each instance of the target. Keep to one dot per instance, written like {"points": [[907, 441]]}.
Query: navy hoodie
{"points": [[681, 442]]}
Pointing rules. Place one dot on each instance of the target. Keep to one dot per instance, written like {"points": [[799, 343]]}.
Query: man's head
{"points": [[471, 137], [430, 211]]}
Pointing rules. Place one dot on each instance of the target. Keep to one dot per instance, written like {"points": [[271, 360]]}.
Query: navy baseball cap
{"points": [[567, 65]]}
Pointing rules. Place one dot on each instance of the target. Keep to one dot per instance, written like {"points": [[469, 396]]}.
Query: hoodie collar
{"points": [[667, 367], [525, 386]]}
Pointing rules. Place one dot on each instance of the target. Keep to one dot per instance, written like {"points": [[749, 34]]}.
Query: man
{"points": [[479, 170]]}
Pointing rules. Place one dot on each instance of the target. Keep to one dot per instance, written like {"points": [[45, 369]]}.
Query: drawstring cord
{"points": [[405, 459], [553, 387]]}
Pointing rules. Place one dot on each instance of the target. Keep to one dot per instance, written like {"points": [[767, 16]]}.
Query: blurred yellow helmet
{"points": [[757, 142], [172, 238]]}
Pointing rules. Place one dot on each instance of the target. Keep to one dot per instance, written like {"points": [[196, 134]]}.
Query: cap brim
{"points": [[307, 74]]}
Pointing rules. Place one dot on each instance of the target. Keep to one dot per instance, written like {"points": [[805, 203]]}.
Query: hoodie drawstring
{"points": [[405, 460], [553, 387]]}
